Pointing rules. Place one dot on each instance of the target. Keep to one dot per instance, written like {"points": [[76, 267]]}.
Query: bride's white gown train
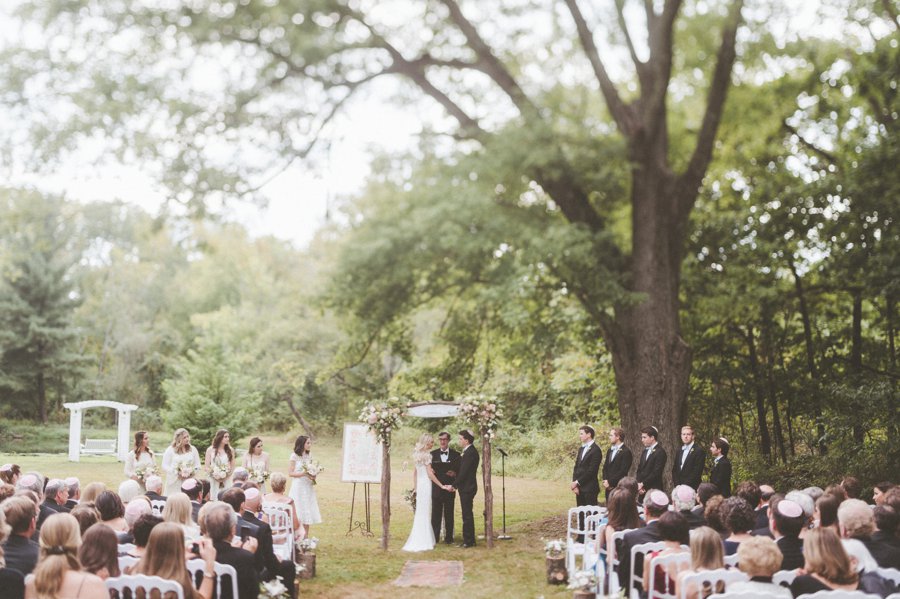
{"points": [[421, 538]]}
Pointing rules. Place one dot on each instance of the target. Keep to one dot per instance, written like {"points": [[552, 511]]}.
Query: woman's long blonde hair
{"points": [[177, 438], [59, 542], [825, 555], [706, 549], [5, 529], [420, 454], [178, 510], [164, 557]]}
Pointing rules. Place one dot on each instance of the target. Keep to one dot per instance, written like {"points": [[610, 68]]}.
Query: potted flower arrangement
{"points": [[556, 561], [306, 556], [584, 583], [274, 589]]}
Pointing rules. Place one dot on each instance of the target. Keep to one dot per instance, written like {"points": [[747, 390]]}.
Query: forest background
{"points": [[465, 264]]}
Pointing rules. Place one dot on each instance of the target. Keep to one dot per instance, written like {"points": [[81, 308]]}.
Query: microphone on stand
{"points": [[503, 456]]}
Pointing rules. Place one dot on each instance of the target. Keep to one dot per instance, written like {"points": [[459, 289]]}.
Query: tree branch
{"points": [[690, 180], [620, 112], [638, 63], [808, 144], [892, 13]]}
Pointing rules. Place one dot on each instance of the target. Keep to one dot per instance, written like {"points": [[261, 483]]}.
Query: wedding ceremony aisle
{"points": [[355, 566]]}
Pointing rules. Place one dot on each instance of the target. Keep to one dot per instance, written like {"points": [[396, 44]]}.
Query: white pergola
{"points": [[123, 410]]}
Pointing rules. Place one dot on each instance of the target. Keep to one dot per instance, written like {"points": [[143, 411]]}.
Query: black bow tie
{"points": [[442, 451]]}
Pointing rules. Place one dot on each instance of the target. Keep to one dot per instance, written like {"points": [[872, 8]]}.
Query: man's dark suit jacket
{"points": [[71, 503], [587, 469], [466, 480], [694, 519], [691, 472], [885, 553], [154, 496], [21, 554], [47, 509], [650, 468], [792, 551], [648, 534], [13, 583], [243, 563], [274, 566], [762, 517], [442, 469], [195, 510], [720, 475], [617, 469]]}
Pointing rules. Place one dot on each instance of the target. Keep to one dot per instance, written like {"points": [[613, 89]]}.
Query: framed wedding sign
{"points": [[361, 459]]}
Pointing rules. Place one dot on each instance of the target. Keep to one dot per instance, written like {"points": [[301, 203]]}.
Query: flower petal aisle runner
{"points": [[434, 574]]}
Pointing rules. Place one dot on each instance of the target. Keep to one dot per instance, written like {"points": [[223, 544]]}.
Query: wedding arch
{"points": [[480, 411], [123, 433]]}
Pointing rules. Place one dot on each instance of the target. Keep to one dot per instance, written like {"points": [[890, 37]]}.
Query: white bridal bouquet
{"points": [[218, 470], [274, 589], [313, 468], [258, 474], [146, 471], [186, 468]]}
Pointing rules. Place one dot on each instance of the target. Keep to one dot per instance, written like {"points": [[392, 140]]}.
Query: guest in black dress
{"points": [[11, 581], [826, 564]]}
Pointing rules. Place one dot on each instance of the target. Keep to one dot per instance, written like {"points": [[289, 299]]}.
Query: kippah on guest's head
{"points": [[789, 509], [659, 498], [189, 484], [251, 494]]}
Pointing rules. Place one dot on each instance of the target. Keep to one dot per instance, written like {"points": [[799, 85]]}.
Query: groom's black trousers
{"points": [[442, 504], [468, 528]]}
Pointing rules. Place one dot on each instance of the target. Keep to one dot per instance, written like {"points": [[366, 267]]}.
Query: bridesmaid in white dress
{"points": [[421, 537], [302, 490], [257, 460], [220, 454], [180, 453], [139, 457]]}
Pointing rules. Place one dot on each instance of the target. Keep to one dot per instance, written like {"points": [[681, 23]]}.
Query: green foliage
{"points": [[210, 392]]}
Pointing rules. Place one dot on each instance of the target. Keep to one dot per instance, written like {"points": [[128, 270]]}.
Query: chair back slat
{"points": [[712, 578], [681, 561], [133, 582]]}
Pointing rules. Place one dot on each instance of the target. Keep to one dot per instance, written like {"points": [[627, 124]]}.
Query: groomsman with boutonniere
{"points": [[687, 468], [720, 475], [653, 461], [467, 486], [587, 466], [445, 463], [618, 460]]}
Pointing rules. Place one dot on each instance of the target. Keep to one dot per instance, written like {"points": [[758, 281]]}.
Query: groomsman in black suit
{"points": [[618, 461], [687, 467], [445, 463], [587, 465], [653, 461], [720, 475], [467, 485]]}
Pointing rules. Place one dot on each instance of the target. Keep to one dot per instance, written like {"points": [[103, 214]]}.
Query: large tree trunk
{"points": [[810, 356], [42, 397], [303, 422], [856, 352], [765, 444], [488, 491], [771, 390]]}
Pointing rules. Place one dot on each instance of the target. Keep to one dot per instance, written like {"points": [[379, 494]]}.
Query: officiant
{"points": [[445, 463]]}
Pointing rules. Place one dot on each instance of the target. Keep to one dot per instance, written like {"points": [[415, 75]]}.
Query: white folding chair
{"points": [[148, 583], [158, 506], [643, 549], [784, 577], [894, 596], [680, 561], [577, 527], [745, 595], [281, 519], [591, 553], [892, 574], [612, 563], [711, 578], [125, 548], [126, 561], [836, 594], [731, 560], [196, 565]]}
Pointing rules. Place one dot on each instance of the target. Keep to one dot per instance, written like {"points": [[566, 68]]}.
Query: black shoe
{"points": [[449, 541]]}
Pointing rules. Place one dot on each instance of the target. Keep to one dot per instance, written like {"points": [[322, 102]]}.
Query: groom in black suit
{"points": [[467, 485], [445, 463]]}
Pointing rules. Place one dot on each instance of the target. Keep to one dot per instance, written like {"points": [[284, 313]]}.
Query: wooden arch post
{"points": [[488, 490], [386, 492]]}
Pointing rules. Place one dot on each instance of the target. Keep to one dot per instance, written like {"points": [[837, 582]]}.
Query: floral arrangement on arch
{"points": [[383, 416], [481, 411]]}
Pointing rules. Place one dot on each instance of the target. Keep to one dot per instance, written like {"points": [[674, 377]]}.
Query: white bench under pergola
{"points": [[99, 446]]}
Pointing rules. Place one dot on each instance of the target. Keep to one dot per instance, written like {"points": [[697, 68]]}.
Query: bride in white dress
{"points": [[421, 538]]}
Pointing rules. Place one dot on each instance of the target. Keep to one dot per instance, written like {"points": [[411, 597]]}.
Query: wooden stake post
{"points": [[385, 493], [488, 490]]}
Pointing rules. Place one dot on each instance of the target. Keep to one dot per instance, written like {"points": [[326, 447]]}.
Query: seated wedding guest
{"points": [[86, 514], [58, 572], [785, 521], [674, 532], [164, 557], [56, 494], [713, 516], [20, 551], [91, 492], [154, 487], [241, 475], [825, 514], [220, 523], [178, 510], [852, 487], [886, 523], [99, 552], [141, 533], [739, 518], [807, 505], [706, 554], [137, 507], [656, 503], [192, 488], [10, 473], [74, 486], [857, 521], [279, 482], [704, 492], [112, 512], [837, 490], [630, 484], [762, 514], [6, 491], [683, 500], [826, 565], [273, 565], [34, 482], [879, 491], [205, 487], [749, 492], [129, 489], [622, 515], [759, 558], [12, 581], [814, 492], [892, 498]]}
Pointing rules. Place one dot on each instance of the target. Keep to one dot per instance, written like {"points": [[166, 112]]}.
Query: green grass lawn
{"points": [[355, 566]]}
